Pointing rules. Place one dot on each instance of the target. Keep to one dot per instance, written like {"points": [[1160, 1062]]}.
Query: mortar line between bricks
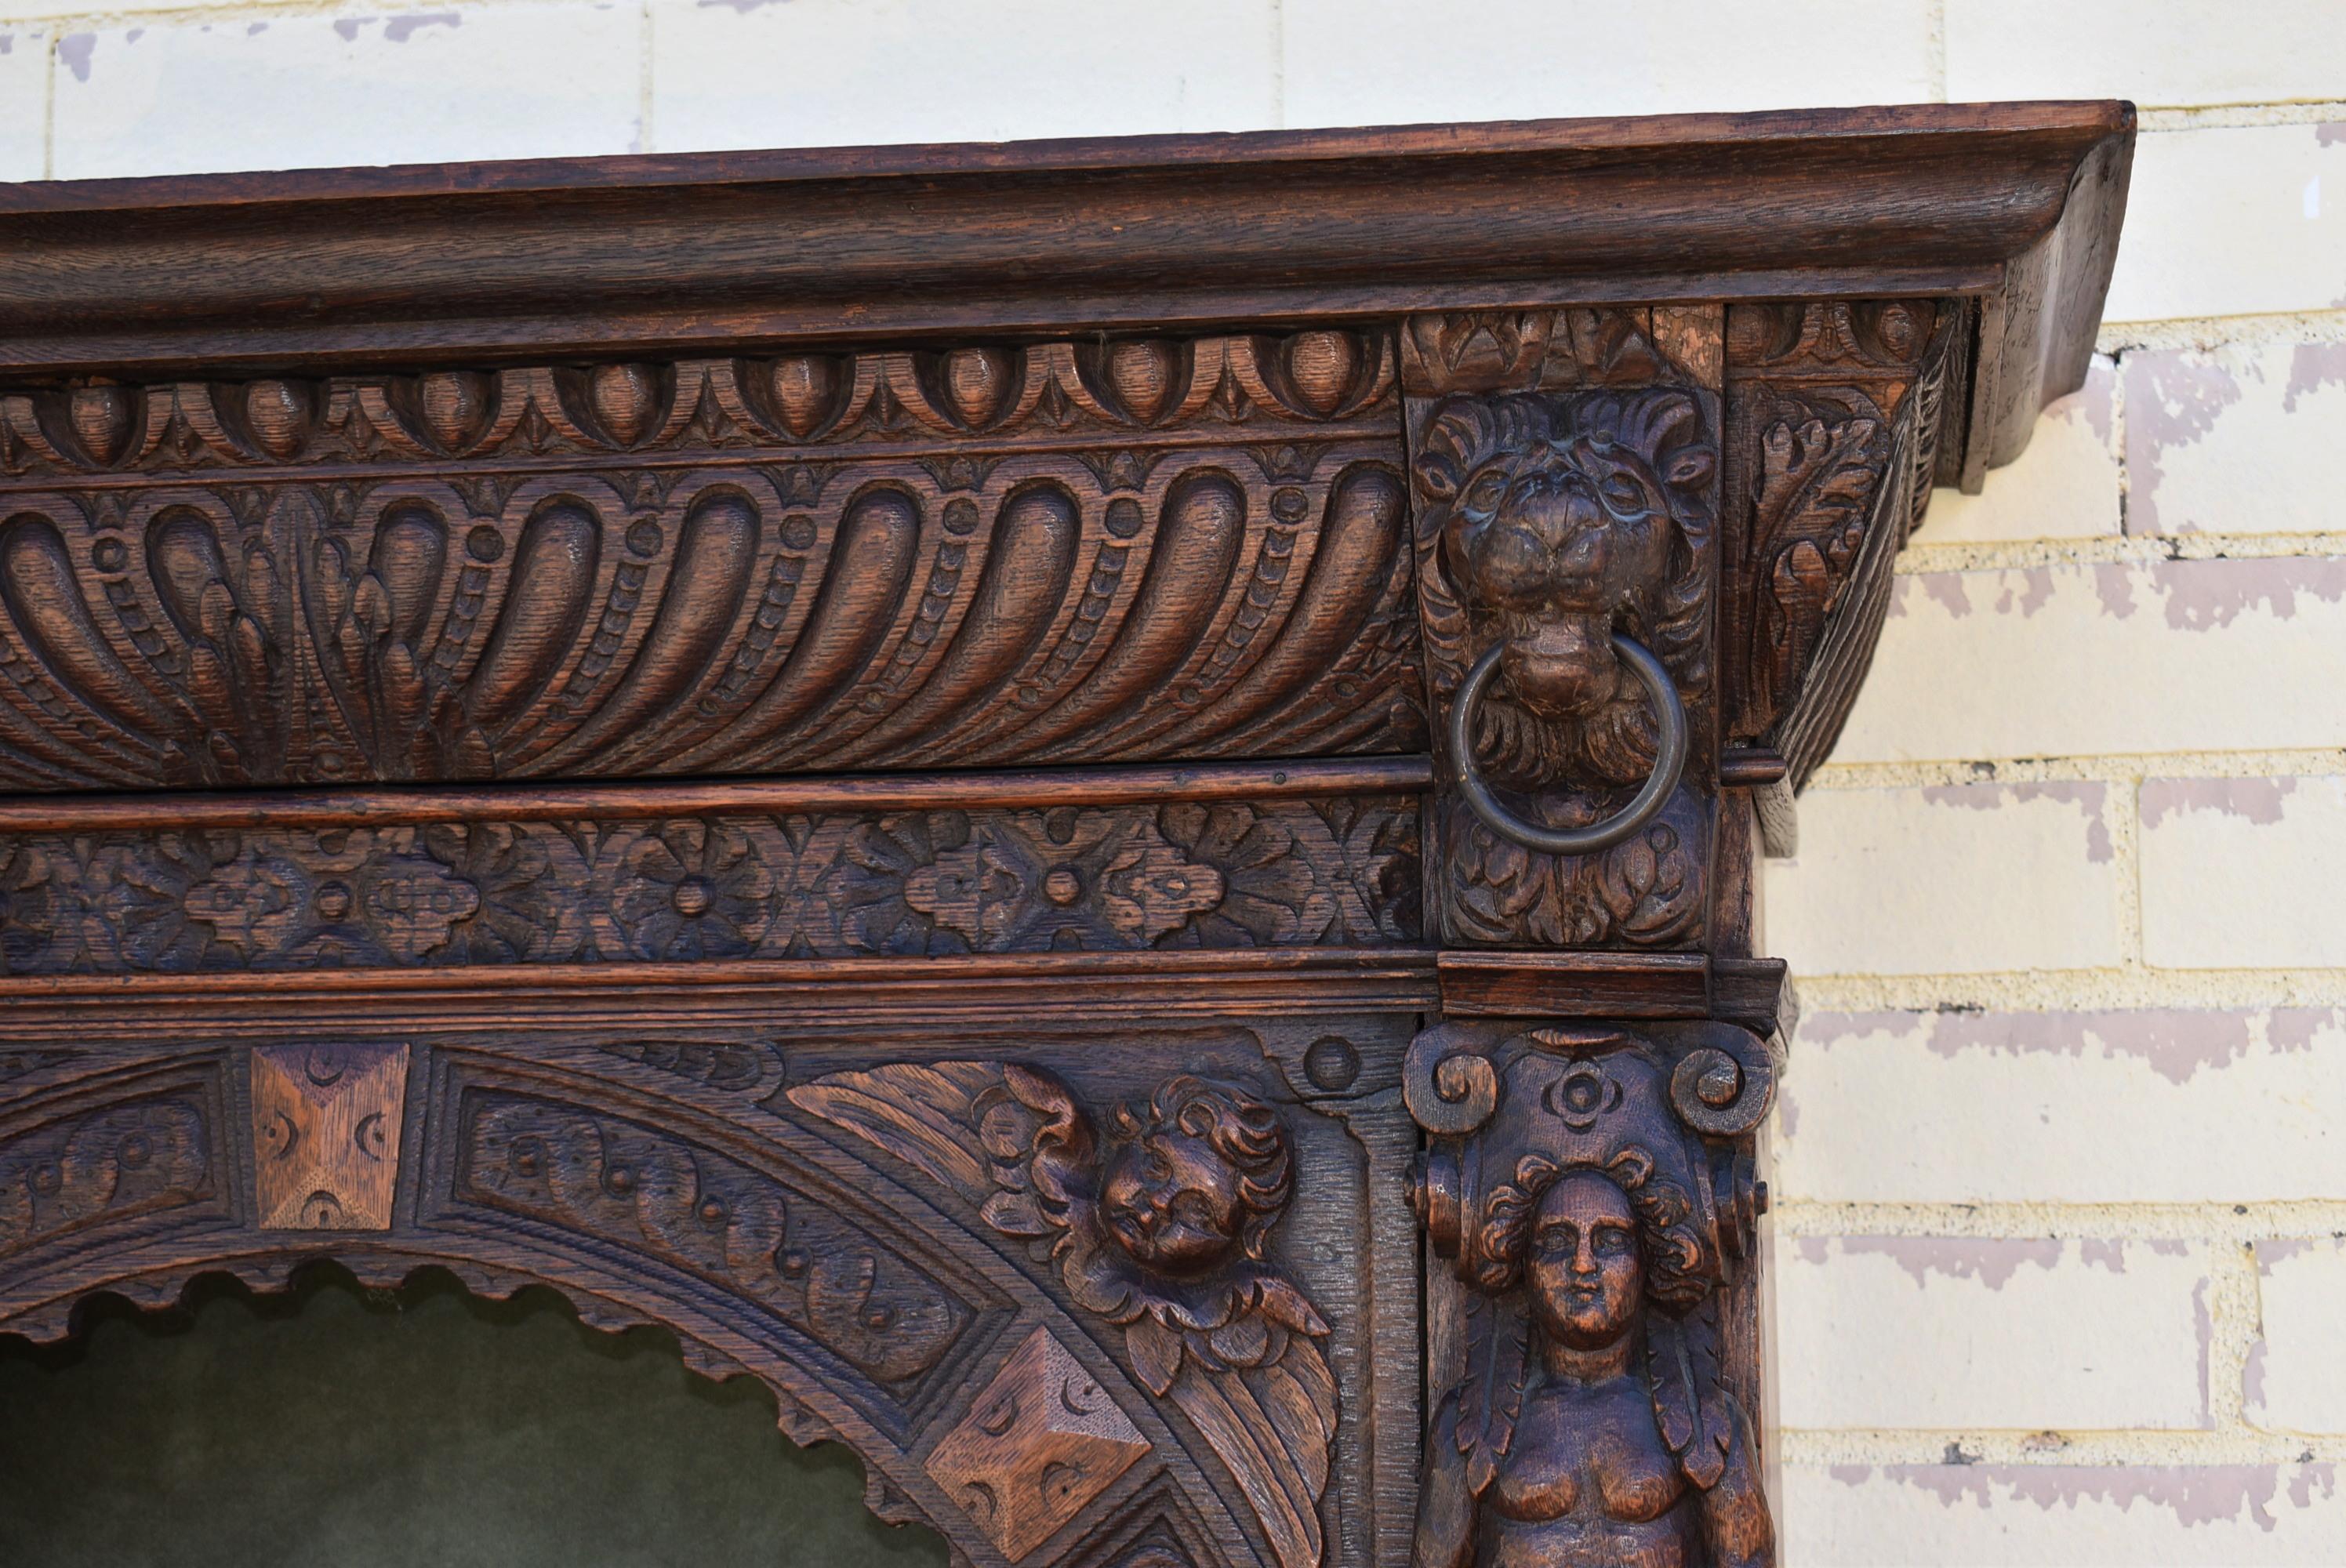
{"points": [[2073, 991], [2119, 338], [199, 13], [2121, 818], [2105, 768], [2111, 549], [2233, 1330], [645, 96], [49, 107], [2213, 1220], [2118, 1448], [1936, 43], [2162, 118]]}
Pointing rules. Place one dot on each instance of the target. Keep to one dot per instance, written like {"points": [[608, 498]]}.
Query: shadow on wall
{"points": [[425, 1427]]}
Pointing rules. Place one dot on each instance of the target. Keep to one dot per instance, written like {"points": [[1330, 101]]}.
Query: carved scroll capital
{"points": [[1592, 1185]]}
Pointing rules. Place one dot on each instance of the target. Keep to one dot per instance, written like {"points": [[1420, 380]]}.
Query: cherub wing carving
{"points": [[1229, 1341], [1260, 1389], [981, 1129]]}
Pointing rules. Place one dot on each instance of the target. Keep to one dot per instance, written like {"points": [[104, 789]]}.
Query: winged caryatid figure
{"points": [[1159, 1227]]}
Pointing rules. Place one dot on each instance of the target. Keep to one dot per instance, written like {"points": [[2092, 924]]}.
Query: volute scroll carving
{"points": [[1593, 1189]]}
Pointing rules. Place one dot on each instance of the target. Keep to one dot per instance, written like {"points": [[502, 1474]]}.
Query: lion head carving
{"points": [[1558, 520]]}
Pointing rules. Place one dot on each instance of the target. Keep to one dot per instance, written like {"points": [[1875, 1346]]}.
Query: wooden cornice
{"points": [[479, 263], [588, 722]]}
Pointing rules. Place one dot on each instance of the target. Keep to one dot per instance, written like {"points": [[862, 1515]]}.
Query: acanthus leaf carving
{"points": [[1834, 418], [1157, 1223], [1819, 466]]}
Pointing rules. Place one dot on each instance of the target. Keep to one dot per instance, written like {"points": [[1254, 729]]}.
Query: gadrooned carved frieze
{"points": [[1592, 1188], [1158, 1221], [1056, 554]]}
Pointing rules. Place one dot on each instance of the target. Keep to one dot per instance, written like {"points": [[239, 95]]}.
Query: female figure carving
{"points": [[1592, 1431]]}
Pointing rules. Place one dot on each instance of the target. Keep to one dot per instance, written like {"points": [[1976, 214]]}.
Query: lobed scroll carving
{"points": [[1335, 872], [1158, 1223], [94, 1166], [1547, 523], [697, 1210], [1593, 1189]]}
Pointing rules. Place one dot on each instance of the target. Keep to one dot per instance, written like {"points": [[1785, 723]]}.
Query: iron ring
{"points": [[1669, 761]]}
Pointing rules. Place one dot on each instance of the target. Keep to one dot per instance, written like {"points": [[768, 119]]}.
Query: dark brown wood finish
{"points": [[850, 752]]}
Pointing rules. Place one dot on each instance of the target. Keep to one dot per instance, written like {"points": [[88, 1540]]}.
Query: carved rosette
{"points": [[1564, 466], [1592, 1188], [1336, 873]]}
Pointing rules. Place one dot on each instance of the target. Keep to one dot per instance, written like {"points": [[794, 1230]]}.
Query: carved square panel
{"points": [[1037, 1446], [325, 1134]]}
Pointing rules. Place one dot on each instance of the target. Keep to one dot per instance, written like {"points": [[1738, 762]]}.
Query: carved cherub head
{"points": [[1558, 1230], [1561, 519], [1199, 1174]]}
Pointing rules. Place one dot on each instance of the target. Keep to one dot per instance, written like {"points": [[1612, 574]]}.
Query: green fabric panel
{"points": [[425, 1430]]}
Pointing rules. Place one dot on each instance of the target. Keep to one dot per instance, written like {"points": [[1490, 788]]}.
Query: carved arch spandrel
{"points": [[873, 1318]]}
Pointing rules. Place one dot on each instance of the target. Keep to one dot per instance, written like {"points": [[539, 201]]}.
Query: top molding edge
{"points": [[488, 263], [2082, 123]]}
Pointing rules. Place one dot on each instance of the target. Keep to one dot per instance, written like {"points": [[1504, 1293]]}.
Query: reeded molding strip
{"points": [[1293, 980], [387, 806]]}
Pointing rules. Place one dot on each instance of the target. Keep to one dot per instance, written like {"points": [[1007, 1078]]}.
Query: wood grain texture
{"points": [[327, 1121], [837, 752]]}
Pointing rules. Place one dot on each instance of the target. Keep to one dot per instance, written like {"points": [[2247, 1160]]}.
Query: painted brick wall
{"points": [[2062, 1159]]}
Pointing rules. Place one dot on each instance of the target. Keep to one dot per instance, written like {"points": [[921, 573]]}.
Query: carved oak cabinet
{"points": [[1092, 805]]}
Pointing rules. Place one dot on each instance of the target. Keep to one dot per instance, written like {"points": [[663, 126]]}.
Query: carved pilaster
{"points": [[1593, 1187]]}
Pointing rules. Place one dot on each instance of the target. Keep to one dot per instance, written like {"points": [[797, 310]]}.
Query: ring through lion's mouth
{"points": [[1560, 667]]}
